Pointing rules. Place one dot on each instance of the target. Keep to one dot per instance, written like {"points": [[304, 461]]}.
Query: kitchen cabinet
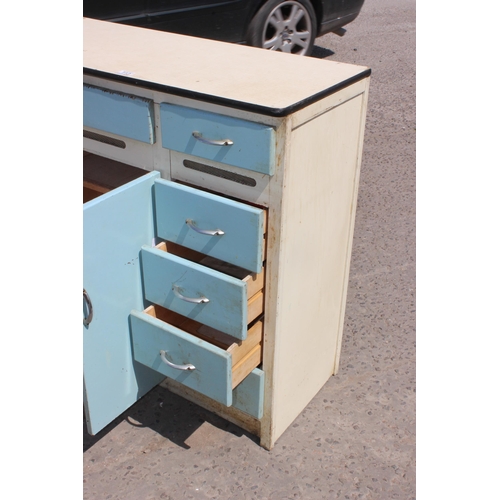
{"points": [[220, 188]]}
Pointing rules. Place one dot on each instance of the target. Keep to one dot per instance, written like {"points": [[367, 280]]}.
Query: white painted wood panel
{"points": [[214, 181], [135, 153], [305, 310]]}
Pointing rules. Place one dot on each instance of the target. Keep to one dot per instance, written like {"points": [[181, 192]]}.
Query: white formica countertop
{"points": [[245, 77]]}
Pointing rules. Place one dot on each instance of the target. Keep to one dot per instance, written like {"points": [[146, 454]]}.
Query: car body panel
{"points": [[224, 20]]}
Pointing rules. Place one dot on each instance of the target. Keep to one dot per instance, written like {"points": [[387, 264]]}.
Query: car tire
{"points": [[284, 25]]}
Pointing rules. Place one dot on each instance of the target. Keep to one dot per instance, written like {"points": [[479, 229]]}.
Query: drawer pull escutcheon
{"points": [[189, 366], [212, 142], [209, 232], [196, 300], [88, 319]]}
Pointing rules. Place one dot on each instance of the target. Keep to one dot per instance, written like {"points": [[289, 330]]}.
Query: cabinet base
{"points": [[231, 414]]}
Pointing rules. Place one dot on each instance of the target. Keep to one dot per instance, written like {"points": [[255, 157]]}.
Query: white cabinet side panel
{"points": [[319, 202]]}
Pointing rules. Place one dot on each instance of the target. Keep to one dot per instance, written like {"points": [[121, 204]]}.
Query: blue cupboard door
{"points": [[115, 226]]}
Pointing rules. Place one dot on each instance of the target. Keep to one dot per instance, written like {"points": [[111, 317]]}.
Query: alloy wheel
{"points": [[288, 28]]}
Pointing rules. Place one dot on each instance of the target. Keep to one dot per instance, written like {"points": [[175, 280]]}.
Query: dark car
{"points": [[288, 26]]}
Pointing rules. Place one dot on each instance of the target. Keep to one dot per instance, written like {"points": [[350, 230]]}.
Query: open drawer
{"points": [[193, 354], [226, 229], [200, 287]]}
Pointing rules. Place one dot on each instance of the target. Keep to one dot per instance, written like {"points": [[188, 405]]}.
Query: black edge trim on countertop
{"points": [[244, 106]]}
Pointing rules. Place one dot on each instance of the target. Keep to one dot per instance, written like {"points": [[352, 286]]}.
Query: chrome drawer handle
{"points": [[88, 319], [196, 300], [189, 366], [212, 142], [209, 232]]}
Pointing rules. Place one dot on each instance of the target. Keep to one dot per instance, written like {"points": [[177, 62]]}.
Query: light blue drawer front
{"points": [[226, 309], [122, 114], [212, 373], [252, 148], [242, 225], [249, 395]]}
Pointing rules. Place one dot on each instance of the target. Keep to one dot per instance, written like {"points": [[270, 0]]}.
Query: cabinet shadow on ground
{"points": [[168, 414]]}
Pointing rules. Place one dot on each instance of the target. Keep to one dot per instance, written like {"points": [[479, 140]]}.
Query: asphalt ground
{"points": [[357, 437]]}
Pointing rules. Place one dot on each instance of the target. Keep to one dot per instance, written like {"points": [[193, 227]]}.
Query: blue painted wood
{"points": [[115, 226], [122, 114], [212, 374], [248, 396], [254, 143], [227, 307], [243, 225]]}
